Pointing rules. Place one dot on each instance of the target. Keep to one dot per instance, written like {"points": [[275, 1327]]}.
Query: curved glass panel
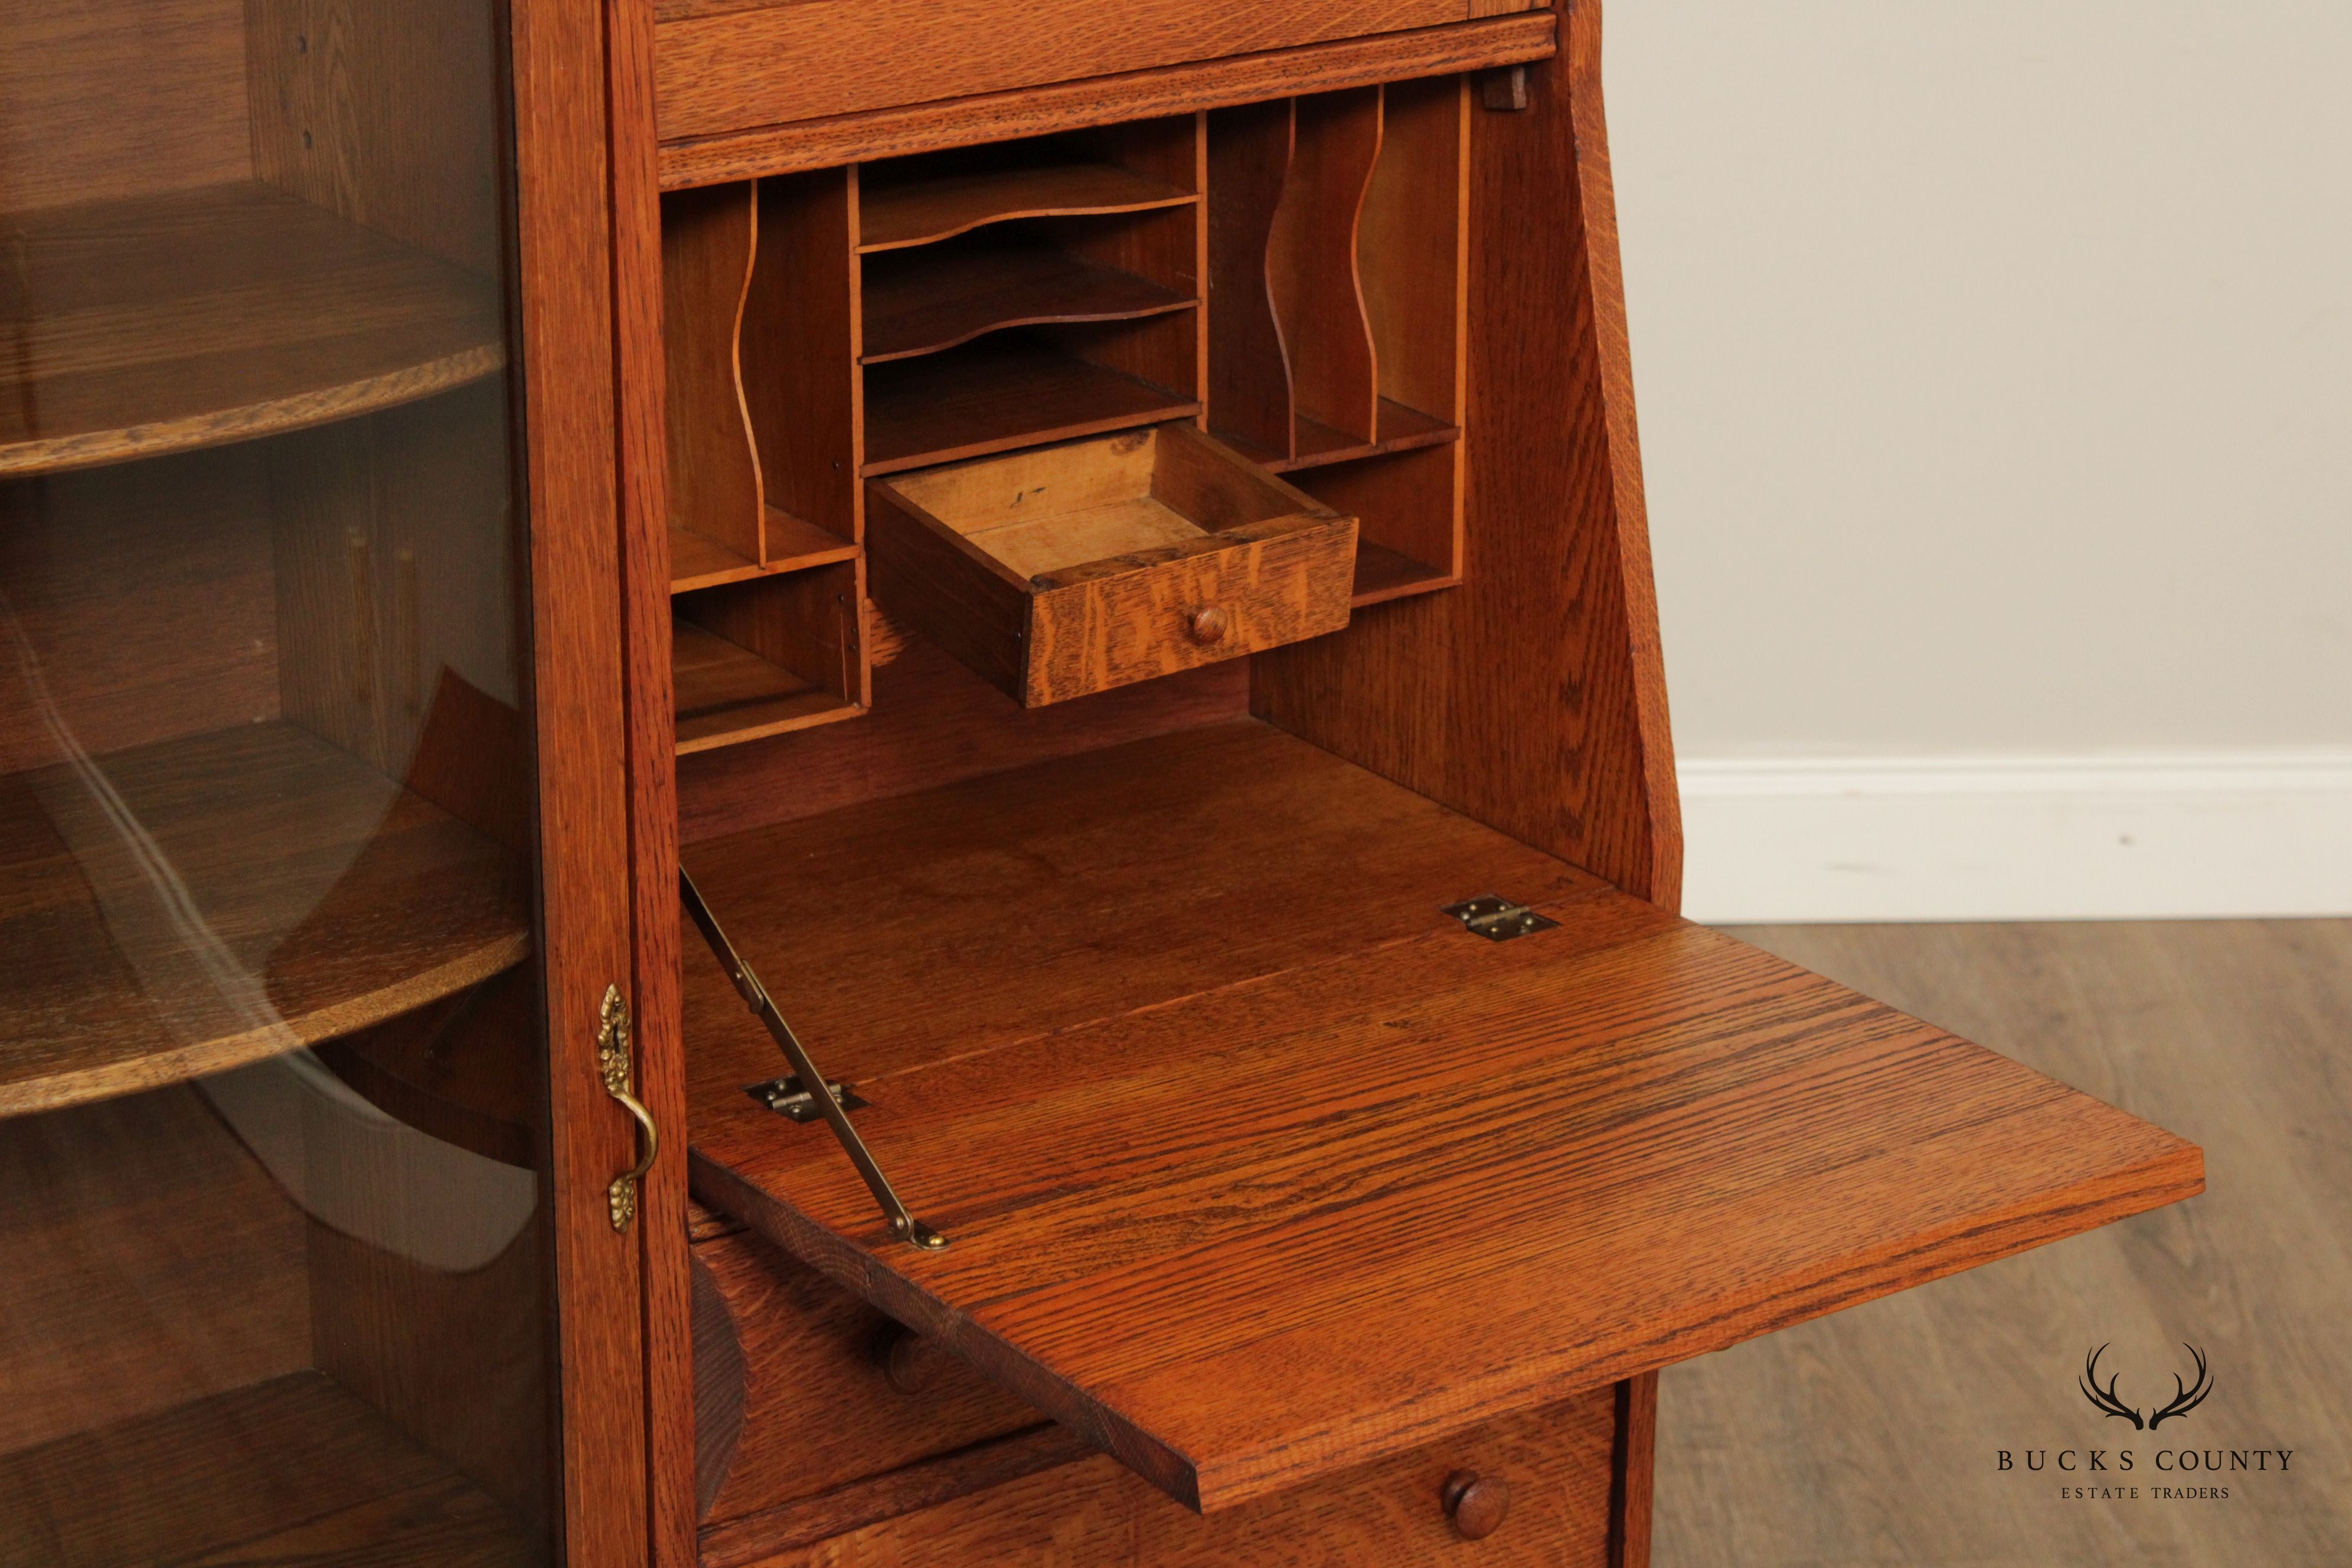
{"points": [[273, 1258]]}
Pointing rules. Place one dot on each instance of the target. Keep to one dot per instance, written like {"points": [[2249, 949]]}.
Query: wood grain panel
{"points": [[799, 351], [766, 63], [387, 115], [1413, 249], [1092, 1512], [1250, 152], [716, 499], [1533, 697], [934, 723], [1015, 390], [110, 575], [919, 211], [939, 297], [101, 102], [818, 1414], [291, 1470], [1175, 89], [885, 900], [1311, 271], [118, 1298], [1225, 1302], [170, 322]]}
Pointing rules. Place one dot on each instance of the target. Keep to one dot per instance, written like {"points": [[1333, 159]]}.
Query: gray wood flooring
{"points": [[1870, 1436]]}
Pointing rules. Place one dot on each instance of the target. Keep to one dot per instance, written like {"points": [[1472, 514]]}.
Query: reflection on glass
{"points": [[271, 1084]]}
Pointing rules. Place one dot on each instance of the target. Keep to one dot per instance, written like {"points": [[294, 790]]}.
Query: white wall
{"points": [[1995, 367]]}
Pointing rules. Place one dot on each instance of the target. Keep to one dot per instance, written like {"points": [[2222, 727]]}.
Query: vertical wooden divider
{"points": [[1249, 156], [801, 381], [1312, 274], [1412, 251], [709, 246]]}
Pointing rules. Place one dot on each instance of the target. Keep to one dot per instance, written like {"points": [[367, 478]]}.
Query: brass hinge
{"points": [[1498, 918], [902, 1221], [785, 1097], [617, 1060]]}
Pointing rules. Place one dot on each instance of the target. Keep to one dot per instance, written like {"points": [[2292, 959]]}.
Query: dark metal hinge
{"points": [[786, 1097], [1498, 918]]}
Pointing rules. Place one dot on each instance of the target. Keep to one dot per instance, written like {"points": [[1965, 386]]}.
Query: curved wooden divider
{"points": [[920, 212], [1250, 153], [935, 303], [717, 496], [1318, 296]]}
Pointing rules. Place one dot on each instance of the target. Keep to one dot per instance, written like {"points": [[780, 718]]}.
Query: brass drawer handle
{"points": [[615, 1057], [1477, 1504]]}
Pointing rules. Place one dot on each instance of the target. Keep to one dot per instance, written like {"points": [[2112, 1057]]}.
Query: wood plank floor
{"points": [[1870, 1436]]}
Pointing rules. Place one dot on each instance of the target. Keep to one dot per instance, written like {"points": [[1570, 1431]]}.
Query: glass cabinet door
{"points": [[275, 1242]]}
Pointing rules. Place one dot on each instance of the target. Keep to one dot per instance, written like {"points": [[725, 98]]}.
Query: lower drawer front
{"points": [[1097, 1514], [734, 66]]}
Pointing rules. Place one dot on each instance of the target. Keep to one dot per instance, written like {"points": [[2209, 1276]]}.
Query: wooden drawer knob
{"points": [[1478, 1503], [910, 1364], [1207, 626]]}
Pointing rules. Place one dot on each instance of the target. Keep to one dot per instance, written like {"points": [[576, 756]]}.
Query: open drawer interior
{"points": [[1256, 1163]]}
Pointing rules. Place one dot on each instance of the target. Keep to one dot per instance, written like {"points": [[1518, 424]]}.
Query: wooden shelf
{"points": [[919, 212], [1401, 429], [170, 323], [1383, 575], [1257, 1165], [198, 904], [291, 1470], [933, 301], [727, 694], [994, 397], [698, 560]]}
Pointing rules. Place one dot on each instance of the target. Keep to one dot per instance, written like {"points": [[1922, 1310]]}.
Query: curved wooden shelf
{"points": [[189, 907], [919, 211], [939, 302], [167, 323]]}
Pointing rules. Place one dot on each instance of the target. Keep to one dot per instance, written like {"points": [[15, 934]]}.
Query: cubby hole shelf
{"points": [[166, 324], [898, 213], [919, 302], [767, 656], [699, 560], [1006, 391]]}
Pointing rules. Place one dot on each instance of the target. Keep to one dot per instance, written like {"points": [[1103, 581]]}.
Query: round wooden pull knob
{"points": [[1207, 625], [910, 1364], [1478, 1503]]}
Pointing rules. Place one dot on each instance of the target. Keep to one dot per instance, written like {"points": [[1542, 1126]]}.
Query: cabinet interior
{"points": [[262, 776]]}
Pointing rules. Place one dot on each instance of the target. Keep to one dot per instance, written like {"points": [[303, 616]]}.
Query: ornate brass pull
{"points": [[616, 1057]]}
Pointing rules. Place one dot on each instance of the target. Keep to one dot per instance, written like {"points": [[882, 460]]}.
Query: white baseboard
{"points": [[1946, 838]]}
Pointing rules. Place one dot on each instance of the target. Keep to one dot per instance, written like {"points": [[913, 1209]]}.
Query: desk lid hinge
{"points": [[833, 1106], [1498, 918]]}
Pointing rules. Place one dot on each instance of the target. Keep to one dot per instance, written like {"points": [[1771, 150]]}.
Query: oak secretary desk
{"points": [[875, 782]]}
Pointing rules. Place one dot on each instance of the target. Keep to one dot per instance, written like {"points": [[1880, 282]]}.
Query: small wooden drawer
{"points": [[1529, 1490], [1076, 568]]}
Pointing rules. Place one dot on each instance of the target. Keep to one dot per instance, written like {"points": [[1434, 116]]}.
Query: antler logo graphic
{"points": [[2186, 1396]]}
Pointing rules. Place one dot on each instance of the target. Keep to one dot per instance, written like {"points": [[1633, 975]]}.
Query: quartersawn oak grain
{"points": [[189, 906], [1360, 1180], [1495, 40], [763, 64], [164, 324]]}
